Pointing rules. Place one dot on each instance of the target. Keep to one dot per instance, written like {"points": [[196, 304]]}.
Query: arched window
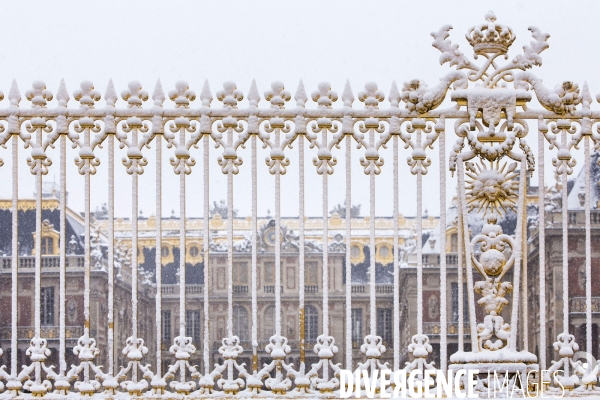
{"points": [[269, 325], [355, 251], [240, 323], [384, 251], [311, 323], [194, 251], [164, 251], [47, 245]]}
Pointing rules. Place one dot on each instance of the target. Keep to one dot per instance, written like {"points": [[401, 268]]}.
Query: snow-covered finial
{"points": [[277, 95], [158, 95], [371, 96], [230, 94], [87, 96], [38, 94], [134, 96], [206, 95], [300, 96], [253, 95], [394, 95], [62, 95], [111, 95], [347, 95], [586, 97], [14, 95], [490, 16], [324, 97], [182, 94]]}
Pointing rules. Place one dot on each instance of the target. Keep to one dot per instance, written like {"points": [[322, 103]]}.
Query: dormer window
{"points": [[47, 246]]}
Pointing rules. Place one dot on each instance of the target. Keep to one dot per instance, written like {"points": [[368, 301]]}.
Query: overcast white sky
{"points": [[361, 41]]}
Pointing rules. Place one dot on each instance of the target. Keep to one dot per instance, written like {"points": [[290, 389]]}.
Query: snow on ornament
{"points": [[492, 189]]}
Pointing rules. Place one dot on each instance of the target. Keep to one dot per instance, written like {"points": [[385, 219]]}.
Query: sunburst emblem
{"points": [[492, 189]]}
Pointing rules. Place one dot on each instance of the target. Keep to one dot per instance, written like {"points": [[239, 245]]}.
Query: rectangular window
{"points": [[192, 326], [357, 324], [384, 323], [310, 273], [269, 272], [240, 273], [166, 327], [47, 306], [47, 245], [455, 303]]}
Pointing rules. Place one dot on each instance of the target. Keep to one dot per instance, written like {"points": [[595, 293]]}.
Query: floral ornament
{"points": [[277, 161], [86, 95], [566, 347], [135, 161], [277, 95], [182, 162], [183, 349], [39, 96], [556, 134], [229, 161], [492, 189], [413, 138], [135, 350], [326, 349], [493, 245], [420, 349], [490, 40], [325, 161], [38, 352], [230, 350], [373, 349], [86, 351], [87, 161], [278, 349], [371, 96]]}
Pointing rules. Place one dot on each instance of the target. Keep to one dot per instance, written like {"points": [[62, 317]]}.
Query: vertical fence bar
{"points": [[419, 252], [182, 249], [111, 252], [63, 254], [325, 265], [254, 257], [443, 284], [38, 253], [372, 251], [518, 253], [301, 248], [134, 251], [158, 254], [565, 246], [396, 263], [525, 283], [460, 279], [468, 252], [206, 240], [542, 246], [278, 240], [588, 248], [14, 255], [348, 252]]}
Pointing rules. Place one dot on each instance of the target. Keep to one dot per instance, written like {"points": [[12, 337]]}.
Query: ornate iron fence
{"points": [[489, 109]]}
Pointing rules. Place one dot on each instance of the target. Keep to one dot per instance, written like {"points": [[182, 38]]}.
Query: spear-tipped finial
{"points": [[111, 95], [253, 95], [586, 97], [205, 95], [300, 96], [347, 95], [394, 95], [14, 95], [158, 95], [62, 95]]}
